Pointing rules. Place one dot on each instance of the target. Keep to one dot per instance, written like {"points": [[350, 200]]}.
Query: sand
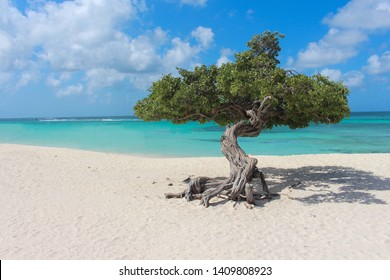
{"points": [[68, 204]]}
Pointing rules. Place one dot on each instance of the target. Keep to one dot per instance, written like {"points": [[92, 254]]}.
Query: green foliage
{"points": [[223, 94]]}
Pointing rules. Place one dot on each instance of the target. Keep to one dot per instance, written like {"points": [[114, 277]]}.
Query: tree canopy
{"points": [[250, 94], [226, 94]]}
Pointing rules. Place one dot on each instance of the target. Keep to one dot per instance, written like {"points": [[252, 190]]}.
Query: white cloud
{"points": [[5, 77], [67, 36], [378, 64], [348, 28], [343, 38], [363, 14], [182, 52], [349, 79], [70, 90], [203, 35], [103, 77], [224, 58], [353, 79], [55, 80], [74, 33], [25, 78], [316, 55], [200, 3], [143, 81], [86, 37], [335, 47], [52, 82], [333, 74], [179, 53], [5, 50]]}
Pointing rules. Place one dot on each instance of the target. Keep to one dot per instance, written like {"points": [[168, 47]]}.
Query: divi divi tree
{"points": [[247, 96]]}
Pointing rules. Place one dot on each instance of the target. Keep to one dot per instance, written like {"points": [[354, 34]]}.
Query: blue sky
{"points": [[98, 57]]}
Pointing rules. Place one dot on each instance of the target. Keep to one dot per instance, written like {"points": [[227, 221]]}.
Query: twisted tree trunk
{"points": [[242, 167]]}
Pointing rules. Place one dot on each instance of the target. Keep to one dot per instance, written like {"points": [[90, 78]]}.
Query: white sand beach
{"points": [[68, 204]]}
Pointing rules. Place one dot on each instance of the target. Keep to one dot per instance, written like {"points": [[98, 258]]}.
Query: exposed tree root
{"points": [[205, 188]]}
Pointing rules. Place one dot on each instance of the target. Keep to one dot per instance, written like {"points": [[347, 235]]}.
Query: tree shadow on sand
{"points": [[326, 184]]}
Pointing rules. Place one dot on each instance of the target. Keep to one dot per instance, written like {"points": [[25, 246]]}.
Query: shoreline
{"points": [[62, 203], [160, 156]]}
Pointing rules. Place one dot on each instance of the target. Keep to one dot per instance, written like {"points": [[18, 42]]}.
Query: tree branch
{"points": [[292, 72], [233, 106], [263, 103]]}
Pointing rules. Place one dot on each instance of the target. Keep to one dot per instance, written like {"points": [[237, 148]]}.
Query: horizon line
{"points": [[120, 116]]}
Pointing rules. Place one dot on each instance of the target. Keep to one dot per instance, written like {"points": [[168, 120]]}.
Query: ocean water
{"points": [[361, 133]]}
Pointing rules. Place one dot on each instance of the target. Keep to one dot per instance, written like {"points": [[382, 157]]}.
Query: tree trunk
{"points": [[242, 167], [242, 170]]}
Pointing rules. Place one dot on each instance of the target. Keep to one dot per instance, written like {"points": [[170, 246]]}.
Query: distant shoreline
{"points": [[122, 116], [159, 156]]}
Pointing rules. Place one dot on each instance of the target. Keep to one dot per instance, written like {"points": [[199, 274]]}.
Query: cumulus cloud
{"points": [[53, 82], [350, 79], [333, 74], [102, 77], [336, 46], [363, 14], [224, 58], [179, 53], [70, 90], [353, 79], [79, 34], [348, 28], [25, 78], [182, 52], [203, 35], [378, 64], [67, 36], [87, 37]]}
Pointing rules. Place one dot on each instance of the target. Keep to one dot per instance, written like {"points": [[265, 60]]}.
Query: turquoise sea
{"points": [[361, 133]]}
